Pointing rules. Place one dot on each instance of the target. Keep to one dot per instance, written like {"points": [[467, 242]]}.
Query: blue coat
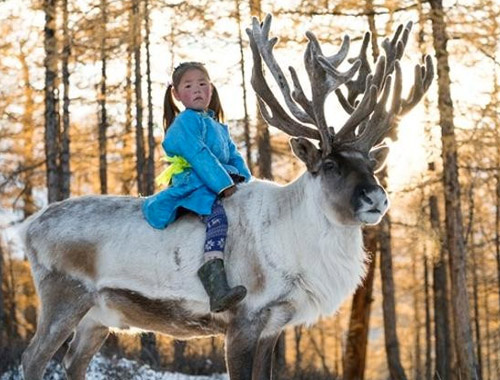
{"points": [[213, 156]]}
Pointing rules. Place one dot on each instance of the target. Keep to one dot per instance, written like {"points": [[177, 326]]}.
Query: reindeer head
{"points": [[346, 161]]}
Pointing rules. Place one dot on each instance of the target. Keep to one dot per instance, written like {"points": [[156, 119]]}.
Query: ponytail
{"points": [[216, 106], [170, 110]]}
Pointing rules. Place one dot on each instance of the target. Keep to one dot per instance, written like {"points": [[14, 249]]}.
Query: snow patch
{"points": [[102, 368]]}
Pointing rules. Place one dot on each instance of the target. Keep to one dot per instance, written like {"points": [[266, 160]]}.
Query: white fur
{"points": [[302, 257]]}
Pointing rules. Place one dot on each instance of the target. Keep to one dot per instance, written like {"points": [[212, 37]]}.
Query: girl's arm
{"points": [[236, 160], [185, 138]]}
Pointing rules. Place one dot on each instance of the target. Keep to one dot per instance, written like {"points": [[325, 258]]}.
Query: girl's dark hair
{"points": [[170, 110]]}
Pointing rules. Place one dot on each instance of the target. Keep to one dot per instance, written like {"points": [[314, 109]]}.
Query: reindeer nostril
{"points": [[365, 197]]}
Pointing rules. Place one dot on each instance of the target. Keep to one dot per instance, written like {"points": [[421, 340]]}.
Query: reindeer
{"points": [[297, 248]]}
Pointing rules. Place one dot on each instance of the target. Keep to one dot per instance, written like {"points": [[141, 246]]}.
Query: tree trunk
{"points": [[264, 149], [495, 105], [11, 286], [213, 346], [497, 224], [337, 348], [246, 124], [428, 346], [279, 357], [52, 131], [139, 133], [320, 350], [29, 206], [416, 314], [388, 302], [441, 313], [263, 140], [384, 236], [149, 352], [298, 332], [265, 171], [497, 218], [373, 29], [3, 319], [427, 286], [112, 346], [128, 154], [486, 308], [354, 362], [475, 302], [467, 363], [64, 164], [103, 119], [491, 341], [150, 170], [179, 358]]}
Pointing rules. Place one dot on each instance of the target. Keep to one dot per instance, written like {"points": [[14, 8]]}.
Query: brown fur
{"points": [[241, 340], [257, 278], [166, 316], [79, 257]]}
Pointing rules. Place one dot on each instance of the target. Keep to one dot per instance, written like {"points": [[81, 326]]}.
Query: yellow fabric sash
{"points": [[177, 165]]}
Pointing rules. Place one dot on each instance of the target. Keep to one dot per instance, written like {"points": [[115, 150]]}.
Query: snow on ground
{"points": [[102, 368]]}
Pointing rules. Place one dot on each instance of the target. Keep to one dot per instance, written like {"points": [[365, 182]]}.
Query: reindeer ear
{"points": [[379, 155], [307, 153]]}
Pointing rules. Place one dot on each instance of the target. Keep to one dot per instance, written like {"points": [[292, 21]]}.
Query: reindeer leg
{"points": [[263, 360], [279, 314], [90, 335], [64, 302], [240, 351], [241, 344]]}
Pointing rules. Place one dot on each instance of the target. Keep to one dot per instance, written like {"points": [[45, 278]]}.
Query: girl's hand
{"points": [[229, 191]]}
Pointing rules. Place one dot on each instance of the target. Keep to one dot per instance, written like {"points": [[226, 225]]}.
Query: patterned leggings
{"points": [[216, 224]]}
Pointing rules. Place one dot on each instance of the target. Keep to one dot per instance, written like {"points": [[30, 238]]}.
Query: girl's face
{"points": [[194, 90]]}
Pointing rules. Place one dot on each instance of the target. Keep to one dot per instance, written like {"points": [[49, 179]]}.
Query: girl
{"points": [[205, 165]]}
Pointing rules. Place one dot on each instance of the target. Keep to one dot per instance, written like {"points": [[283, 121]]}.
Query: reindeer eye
{"points": [[331, 166]]}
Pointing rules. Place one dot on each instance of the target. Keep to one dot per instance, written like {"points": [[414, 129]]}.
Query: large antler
{"points": [[279, 118], [323, 76], [369, 122], [366, 133]]}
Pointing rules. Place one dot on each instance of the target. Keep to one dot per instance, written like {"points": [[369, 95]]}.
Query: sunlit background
{"points": [[208, 31]]}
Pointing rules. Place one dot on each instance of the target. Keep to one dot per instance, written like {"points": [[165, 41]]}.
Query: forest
{"points": [[81, 103]]}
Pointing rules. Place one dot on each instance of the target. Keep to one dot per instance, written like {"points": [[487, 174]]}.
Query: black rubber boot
{"points": [[213, 278]]}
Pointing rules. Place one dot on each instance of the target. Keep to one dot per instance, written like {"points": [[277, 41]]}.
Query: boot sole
{"points": [[229, 301]]}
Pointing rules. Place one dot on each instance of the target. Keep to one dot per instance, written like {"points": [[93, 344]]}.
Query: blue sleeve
{"points": [[236, 160], [185, 138]]}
